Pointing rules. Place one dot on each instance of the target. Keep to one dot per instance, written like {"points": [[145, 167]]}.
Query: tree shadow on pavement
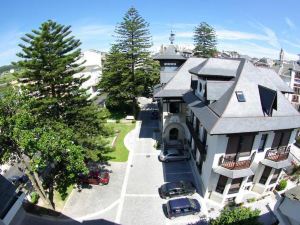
{"points": [[36, 215]]}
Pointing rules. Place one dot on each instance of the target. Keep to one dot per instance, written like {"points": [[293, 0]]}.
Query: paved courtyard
{"points": [[132, 194]]}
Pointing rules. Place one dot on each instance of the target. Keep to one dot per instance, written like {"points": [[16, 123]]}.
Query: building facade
{"points": [[93, 63], [287, 207], [234, 120], [11, 202]]}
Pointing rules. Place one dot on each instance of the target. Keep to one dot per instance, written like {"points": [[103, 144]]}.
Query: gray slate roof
{"points": [[181, 82], [169, 52], [217, 67], [228, 115], [216, 89]]}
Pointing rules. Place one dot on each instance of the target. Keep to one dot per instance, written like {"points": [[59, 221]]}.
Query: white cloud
{"points": [[225, 34], [290, 23], [294, 44], [255, 50], [93, 31]]}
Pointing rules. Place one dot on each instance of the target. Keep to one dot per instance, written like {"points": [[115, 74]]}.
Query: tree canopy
{"points": [[38, 144], [50, 66], [129, 71], [205, 41], [237, 216]]}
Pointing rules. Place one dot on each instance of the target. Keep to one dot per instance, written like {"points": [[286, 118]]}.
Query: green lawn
{"points": [[59, 201], [120, 153]]}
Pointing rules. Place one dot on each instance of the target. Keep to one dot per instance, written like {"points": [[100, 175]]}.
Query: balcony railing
{"points": [[279, 154], [233, 190], [232, 162]]}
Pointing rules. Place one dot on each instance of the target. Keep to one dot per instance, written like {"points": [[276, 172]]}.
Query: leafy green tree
{"points": [[49, 62], [38, 145], [237, 216], [205, 41], [133, 70]]}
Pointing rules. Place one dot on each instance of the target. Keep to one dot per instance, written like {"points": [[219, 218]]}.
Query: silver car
{"points": [[173, 155]]}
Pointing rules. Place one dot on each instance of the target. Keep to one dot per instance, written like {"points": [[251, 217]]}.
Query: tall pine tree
{"points": [[205, 41], [137, 72], [49, 61]]}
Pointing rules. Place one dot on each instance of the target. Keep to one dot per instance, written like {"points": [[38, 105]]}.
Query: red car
{"points": [[94, 177]]}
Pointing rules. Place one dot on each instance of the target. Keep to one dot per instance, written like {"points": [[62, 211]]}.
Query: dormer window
{"points": [[240, 96], [268, 99]]}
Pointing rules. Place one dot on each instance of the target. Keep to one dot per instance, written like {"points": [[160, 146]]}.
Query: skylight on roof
{"points": [[240, 96]]}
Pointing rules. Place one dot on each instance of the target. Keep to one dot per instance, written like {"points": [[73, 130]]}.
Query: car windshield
{"points": [[165, 152], [192, 203]]}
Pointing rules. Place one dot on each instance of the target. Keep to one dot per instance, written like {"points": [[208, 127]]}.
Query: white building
{"points": [[93, 69], [11, 209], [235, 121], [288, 207]]}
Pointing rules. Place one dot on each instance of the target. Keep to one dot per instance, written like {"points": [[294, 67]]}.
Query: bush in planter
{"points": [[250, 200], [34, 197], [282, 185]]}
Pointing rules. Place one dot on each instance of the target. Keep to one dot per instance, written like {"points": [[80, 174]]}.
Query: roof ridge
{"points": [[239, 71]]}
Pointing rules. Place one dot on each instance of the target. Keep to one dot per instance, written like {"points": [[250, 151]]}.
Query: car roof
{"points": [[179, 203], [173, 185], [172, 151]]}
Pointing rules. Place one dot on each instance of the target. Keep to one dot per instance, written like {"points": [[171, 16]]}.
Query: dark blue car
{"points": [[182, 207]]}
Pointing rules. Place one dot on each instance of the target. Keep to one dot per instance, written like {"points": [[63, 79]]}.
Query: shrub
{"points": [[237, 216], [34, 197], [117, 121], [282, 185], [249, 200], [133, 121]]}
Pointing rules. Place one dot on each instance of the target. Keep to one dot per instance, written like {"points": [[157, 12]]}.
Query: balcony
{"points": [[276, 155], [277, 158], [232, 162]]}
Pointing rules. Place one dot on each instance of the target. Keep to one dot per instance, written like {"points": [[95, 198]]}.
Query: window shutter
{"points": [[285, 138], [246, 143], [276, 139], [233, 144]]}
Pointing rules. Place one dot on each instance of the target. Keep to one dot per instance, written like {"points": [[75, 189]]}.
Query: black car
{"points": [[182, 207], [174, 189]]}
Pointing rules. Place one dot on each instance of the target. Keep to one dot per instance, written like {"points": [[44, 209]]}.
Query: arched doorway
{"points": [[173, 134]]}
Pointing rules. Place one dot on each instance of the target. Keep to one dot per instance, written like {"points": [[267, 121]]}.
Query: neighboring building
{"points": [[235, 121], [288, 207], [93, 68], [228, 55], [10, 202], [290, 73], [264, 62]]}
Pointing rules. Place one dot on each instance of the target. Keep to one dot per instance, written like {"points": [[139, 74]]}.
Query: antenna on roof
{"points": [[172, 37]]}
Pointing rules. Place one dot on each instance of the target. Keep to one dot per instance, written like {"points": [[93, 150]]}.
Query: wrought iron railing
{"points": [[233, 190], [233, 162], [278, 154]]}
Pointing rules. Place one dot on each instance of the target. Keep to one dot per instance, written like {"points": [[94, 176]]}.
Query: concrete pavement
{"points": [[132, 195]]}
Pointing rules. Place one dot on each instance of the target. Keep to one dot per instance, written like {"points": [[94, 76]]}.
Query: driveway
{"points": [[140, 202], [132, 195]]}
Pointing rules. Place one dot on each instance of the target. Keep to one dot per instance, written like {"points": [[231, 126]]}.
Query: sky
{"points": [[258, 28]]}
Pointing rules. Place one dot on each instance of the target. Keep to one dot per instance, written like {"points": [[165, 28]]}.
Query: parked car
{"points": [[94, 177], [182, 207], [174, 189], [173, 155]]}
